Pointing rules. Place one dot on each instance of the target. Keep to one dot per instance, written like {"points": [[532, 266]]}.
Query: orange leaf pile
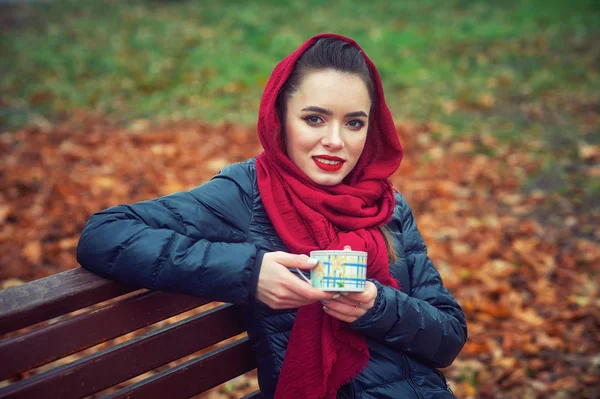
{"points": [[528, 288]]}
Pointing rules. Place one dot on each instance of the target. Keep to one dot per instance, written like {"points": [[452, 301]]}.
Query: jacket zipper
{"points": [[411, 380], [443, 377]]}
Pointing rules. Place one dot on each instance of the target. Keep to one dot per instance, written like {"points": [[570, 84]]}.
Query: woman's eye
{"points": [[356, 124], [313, 119]]}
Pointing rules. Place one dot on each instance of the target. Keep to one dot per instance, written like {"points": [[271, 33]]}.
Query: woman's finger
{"points": [[339, 315], [366, 296], [282, 302], [344, 308], [357, 300], [294, 261], [347, 300], [304, 290]]}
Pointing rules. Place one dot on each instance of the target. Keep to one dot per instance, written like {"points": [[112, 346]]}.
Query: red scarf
{"points": [[323, 353]]}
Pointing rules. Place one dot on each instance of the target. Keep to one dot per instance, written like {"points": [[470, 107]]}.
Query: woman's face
{"points": [[326, 125]]}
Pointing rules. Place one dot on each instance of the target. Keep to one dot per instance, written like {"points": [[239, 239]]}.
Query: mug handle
{"points": [[303, 276]]}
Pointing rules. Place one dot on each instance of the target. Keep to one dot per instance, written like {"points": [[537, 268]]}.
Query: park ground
{"points": [[497, 107]]}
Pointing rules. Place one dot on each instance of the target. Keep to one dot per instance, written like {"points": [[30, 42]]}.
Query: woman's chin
{"points": [[327, 179]]}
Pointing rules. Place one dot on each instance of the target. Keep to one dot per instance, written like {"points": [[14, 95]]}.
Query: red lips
{"points": [[328, 167]]}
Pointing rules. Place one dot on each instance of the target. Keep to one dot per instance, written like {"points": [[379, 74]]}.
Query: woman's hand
{"points": [[350, 307], [279, 288]]}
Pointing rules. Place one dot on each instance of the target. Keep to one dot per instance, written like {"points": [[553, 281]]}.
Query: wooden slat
{"points": [[195, 376], [137, 356], [79, 332], [44, 299]]}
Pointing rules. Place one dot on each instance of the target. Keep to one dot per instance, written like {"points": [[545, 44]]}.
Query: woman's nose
{"points": [[333, 138]]}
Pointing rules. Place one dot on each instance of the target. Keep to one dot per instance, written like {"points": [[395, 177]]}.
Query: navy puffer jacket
{"points": [[210, 242]]}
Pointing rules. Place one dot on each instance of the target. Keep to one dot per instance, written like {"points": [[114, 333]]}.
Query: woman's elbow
{"points": [[91, 251], [455, 341]]}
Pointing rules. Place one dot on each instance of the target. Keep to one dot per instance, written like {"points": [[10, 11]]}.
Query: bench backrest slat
{"points": [[28, 304], [97, 322], [137, 356], [191, 378], [82, 331]]}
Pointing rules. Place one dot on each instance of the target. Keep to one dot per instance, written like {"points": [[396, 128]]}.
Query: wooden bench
{"points": [[61, 315]]}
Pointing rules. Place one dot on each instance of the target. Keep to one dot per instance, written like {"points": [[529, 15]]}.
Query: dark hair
{"points": [[325, 54]]}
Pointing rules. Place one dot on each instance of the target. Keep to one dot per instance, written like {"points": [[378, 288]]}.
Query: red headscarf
{"points": [[323, 353]]}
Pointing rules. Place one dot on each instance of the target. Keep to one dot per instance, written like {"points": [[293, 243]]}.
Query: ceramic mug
{"points": [[339, 270]]}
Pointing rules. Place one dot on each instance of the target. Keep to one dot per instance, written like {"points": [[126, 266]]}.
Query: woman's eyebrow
{"points": [[355, 114], [320, 110]]}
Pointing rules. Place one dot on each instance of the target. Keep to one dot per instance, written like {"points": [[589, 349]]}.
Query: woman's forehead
{"points": [[332, 90]]}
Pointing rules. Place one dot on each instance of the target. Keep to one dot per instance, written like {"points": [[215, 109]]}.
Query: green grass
{"points": [[519, 70], [447, 61]]}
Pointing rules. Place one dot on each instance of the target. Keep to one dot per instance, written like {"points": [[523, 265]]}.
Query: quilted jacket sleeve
{"points": [[190, 242], [428, 324]]}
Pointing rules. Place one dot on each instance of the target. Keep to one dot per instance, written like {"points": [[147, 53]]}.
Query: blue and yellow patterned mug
{"points": [[339, 270]]}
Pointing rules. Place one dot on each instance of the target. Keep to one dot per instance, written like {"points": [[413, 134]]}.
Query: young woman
{"points": [[322, 182]]}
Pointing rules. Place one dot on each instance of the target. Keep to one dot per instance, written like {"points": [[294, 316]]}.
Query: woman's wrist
{"points": [[378, 305]]}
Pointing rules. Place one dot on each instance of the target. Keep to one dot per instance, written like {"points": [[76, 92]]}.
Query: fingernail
{"points": [[325, 308], [336, 296], [312, 261], [324, 301], [344, 293]]}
